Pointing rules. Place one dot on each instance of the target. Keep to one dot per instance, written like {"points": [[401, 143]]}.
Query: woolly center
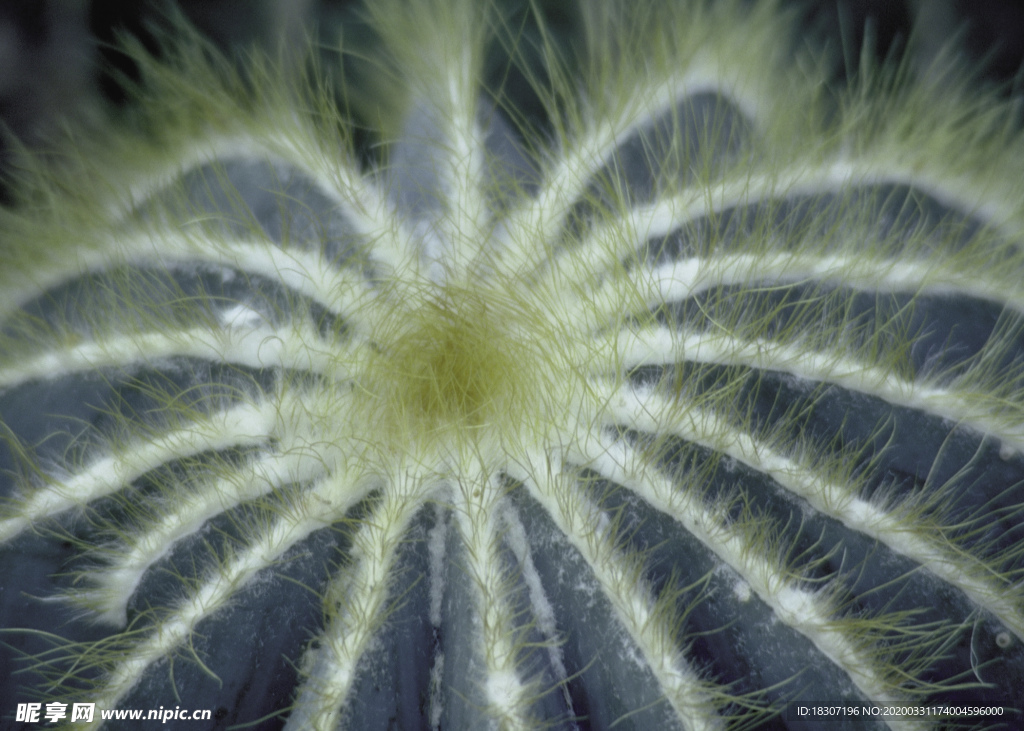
{"points": [[458, 370], [461, 364]]}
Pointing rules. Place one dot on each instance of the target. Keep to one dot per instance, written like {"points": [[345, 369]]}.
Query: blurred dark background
{"points": [[59, 57]]}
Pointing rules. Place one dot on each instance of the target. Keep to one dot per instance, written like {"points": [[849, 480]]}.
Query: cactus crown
{"points": [[626, 416]]}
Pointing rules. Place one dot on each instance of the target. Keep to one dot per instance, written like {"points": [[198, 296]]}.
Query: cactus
{"points": [[690, 398]]}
